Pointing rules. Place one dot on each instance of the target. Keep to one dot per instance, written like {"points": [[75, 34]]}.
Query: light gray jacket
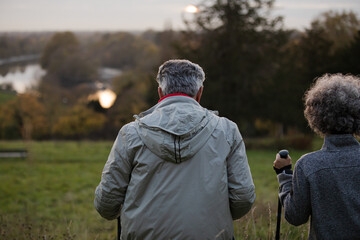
{"points": [[179, 172], [326, 186]]}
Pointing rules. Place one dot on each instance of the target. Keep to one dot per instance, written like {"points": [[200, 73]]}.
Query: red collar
{"points": [[173, 94]]}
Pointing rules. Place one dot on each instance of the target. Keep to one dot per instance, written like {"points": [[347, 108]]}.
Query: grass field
{"points": [[50, 194]]}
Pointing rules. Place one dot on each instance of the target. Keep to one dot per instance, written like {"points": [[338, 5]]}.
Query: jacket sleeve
{"points": [[240, 182], [110, 193], [294, 194]]}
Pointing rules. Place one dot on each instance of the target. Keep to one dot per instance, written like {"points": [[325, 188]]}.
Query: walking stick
{"points": [[118, 228], [283, 154], [277, 236]]}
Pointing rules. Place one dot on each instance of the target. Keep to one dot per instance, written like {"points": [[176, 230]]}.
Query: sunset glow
{"points": [[191, 9]]}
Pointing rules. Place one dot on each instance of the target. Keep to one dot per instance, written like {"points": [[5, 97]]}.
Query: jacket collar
{"points": [[340, 141], [167, 101], [173, 94]]}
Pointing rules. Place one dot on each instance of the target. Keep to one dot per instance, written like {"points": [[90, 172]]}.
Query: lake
{"points": [[25, 77]]}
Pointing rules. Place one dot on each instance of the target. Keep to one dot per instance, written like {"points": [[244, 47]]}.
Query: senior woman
{"points": [[325, 184]]}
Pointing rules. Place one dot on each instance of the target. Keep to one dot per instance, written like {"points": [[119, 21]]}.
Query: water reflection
{"points": [[107, 74], [23, 78], [106, 98]]}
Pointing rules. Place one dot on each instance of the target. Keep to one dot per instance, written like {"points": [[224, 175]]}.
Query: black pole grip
{"points": [[278, 220], [118, 228], [283, 154]]}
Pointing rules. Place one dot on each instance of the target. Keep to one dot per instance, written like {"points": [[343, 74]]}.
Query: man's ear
{"points": [[199, 93], [160, 92]]}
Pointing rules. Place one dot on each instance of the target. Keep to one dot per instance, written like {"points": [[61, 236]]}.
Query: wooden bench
{"points": [[13, 153]]}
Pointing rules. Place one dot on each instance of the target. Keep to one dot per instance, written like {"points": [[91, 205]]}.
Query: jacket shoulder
{"points": [[311, 162], [227, 124], [129, 135], [129, 128], [230, 130]]}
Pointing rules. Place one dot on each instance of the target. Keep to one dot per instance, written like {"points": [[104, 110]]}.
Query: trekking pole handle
{"points": [[284, 153]]}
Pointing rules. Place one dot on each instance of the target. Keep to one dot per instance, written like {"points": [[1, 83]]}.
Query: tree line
{"points": [[256, 71]]}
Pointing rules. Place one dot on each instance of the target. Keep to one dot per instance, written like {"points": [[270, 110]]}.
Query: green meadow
{"points": [[49, 195]]}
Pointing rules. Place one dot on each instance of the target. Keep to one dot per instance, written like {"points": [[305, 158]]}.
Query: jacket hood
{"points": [[176, 128]]}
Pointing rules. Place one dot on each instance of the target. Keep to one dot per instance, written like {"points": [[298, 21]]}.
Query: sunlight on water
{"points": [[106, 98]]}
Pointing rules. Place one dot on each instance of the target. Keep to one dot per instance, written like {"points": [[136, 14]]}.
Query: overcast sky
{"points": [[74, 15]]}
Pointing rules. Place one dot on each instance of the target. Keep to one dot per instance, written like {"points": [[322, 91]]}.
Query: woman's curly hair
{"points": [[332, 105]]}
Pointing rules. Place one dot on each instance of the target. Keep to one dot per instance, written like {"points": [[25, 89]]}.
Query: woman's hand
{"points": [[281, 162]]}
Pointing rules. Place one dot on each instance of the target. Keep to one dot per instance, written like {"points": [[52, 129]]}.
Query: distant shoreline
{"points": [[19, 59]]}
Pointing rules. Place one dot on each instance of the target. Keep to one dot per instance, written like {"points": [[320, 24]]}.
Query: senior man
{"points": [[178, 171]]}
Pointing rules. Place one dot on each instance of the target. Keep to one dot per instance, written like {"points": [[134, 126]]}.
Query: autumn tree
{"points": [[347, 58], [126, 51], [22, 43], [329, 45], [78, 121], [340, 28], [23, 117], [165, 41], [66, 62], [132, 89]]}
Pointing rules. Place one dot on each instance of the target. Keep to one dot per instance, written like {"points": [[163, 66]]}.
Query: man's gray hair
{"points": [[332, 105], [180, 76]]}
